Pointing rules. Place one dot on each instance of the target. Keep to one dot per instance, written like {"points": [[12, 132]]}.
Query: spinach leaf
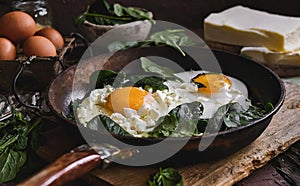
{"points": [[164, 72], [237, 116], [166, 126], [112, 14], [175, 38], [101, 121], [20, 143], [188, 115], [181, 121], [10, 163], [102, 19], [216, 122], [118, 10], [151, 83], [166, 177], [13, 142], [4, 123], [139, 14], [7, 140], [101, 78], [119, 45], [233, 115]]}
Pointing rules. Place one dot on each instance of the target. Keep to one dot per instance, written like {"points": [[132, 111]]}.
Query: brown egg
{"points": [[53, 35], [7, 49], [17, 26], [38, 46]]}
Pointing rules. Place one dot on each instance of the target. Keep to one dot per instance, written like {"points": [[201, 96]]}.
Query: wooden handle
{"points": [[68, 167]]}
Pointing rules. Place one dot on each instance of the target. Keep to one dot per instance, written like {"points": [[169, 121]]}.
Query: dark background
{"points": [[188, 13]]}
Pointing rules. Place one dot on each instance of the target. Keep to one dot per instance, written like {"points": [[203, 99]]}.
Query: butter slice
{"points": [[265, 56], [247, 27]]}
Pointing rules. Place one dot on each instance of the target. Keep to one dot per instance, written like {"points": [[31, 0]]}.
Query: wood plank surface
{"points": [[283, 170], [282, 132]]}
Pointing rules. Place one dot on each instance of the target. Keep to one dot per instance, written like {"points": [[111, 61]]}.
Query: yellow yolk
{"points": [[127, 97], [211, 83]]}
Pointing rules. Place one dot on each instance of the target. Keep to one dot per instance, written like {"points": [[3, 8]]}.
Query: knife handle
{"points": [[66, 168]]}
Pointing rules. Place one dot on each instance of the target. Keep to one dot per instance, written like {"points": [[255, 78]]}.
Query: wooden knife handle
{"points": [[66, 168]]}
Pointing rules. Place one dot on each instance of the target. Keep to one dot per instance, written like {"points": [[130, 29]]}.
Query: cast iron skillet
{"points": [[263, 86]]}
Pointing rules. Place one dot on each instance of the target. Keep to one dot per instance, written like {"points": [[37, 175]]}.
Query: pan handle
{"points": [[66, 168]]}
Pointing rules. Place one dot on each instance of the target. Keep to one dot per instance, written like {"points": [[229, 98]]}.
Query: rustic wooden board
{"points": [[282, 132]]}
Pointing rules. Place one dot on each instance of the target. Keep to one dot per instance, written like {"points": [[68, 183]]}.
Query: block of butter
{"points": [[265, 56], [247, 27]]}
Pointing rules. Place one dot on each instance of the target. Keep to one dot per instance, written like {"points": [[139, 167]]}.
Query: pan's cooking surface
{"points": [[263, 85]]}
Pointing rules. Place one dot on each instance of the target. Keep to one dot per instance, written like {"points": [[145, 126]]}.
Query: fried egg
{"points": [[137, 110]]}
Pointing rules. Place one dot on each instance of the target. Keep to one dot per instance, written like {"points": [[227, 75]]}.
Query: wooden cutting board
{"points": [[282, 132]]}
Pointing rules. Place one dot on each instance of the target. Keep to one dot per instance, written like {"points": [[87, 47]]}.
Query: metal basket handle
{"points": [[15, 79]]}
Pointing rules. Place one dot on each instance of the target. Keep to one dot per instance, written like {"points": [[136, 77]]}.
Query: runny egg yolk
{"points": [[127, 97], [211, 83]]}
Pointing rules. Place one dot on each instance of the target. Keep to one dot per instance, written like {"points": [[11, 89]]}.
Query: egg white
{"points": [[238, 92], [160, 103]]}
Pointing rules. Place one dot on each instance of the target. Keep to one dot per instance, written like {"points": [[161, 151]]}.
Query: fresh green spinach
{"points": [[13, 142], [10, 163], [151, 83], [166, 177], [113, 14], [237, 116], [185, 119], [180, 121], [122, 45], [100, 121], [101, 78], [175, 38], [233, 115], [164, 72]]}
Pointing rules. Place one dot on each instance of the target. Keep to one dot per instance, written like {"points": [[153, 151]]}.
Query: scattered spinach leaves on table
{"points": [[14, 133], [102, 13], [175, 38], [166, 177]]}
